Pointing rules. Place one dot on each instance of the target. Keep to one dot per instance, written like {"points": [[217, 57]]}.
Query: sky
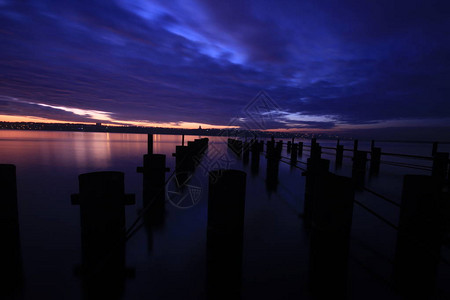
{"points": [[322, 65]]}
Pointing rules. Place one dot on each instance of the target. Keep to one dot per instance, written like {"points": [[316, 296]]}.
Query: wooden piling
{"points": [[355, 146], [330, 236], [420, 235], [154, 177], [375, 160], [255, 149], [10, 250], [150, 143], [434, 149], [300, 149], [246, 153], [273, 158], [225, 231], [316, 151], [294, 154], [339, 155], [440, 166], [316, 169], [8, 190], [359, 168], [102, 201]]}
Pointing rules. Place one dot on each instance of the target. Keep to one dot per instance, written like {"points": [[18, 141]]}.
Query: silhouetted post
{"points": [[313, 142], [8, 191], [315, 171], [330, 236], [420, 236], [279, 148], [183, 159], [294, 154], [300, 149], [10, 252], [435, 148], [226, 207], [182, 140], [339, 155], [316, 151], [440, 166], [261, 145], [150, 144], [375, 159], [255, 149], [154, 178], [372, 144], [272, 166], [289, 146], [102, 203], [246, 153], [359, 168], [355, 146]]}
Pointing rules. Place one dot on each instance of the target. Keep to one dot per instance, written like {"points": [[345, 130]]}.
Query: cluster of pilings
{"points": [[188, 157]]}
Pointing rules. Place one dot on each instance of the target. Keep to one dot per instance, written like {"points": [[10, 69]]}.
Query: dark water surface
{"points": [[169, 260]]}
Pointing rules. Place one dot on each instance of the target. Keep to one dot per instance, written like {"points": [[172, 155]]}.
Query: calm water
{"points": [[169, 261]]}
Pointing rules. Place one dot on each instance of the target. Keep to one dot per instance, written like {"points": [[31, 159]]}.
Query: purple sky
{"points": [[328, 65]]}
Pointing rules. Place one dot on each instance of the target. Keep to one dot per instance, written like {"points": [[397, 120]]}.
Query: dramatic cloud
{"points": [[326, 64]]}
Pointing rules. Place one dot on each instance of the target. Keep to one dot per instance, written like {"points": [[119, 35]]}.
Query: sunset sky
{"points": [[326, 65]]}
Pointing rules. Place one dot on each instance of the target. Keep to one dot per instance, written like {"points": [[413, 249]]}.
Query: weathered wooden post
{"points": [[289, 146], [154, 177], [102, 201], [294, 154], [246, 153], [440, 166], [255, 149], [300, 149], [375, 159], [279, 148], [150, 143], [355, 146], [339, 155], [182, 140], [359, 168], [313, 142], [226, 208], [434, 149], [10, 252], [316, 151], [420, 235], [330, 235], [273, 158], [315, 170], [8, 189]]}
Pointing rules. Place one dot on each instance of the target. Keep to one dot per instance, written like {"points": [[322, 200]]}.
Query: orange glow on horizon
{"points": [[9, 118], [118, 123]]}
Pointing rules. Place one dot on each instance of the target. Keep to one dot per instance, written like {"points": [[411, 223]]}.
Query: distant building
{"points": [[98, 124], [199, 127]]}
